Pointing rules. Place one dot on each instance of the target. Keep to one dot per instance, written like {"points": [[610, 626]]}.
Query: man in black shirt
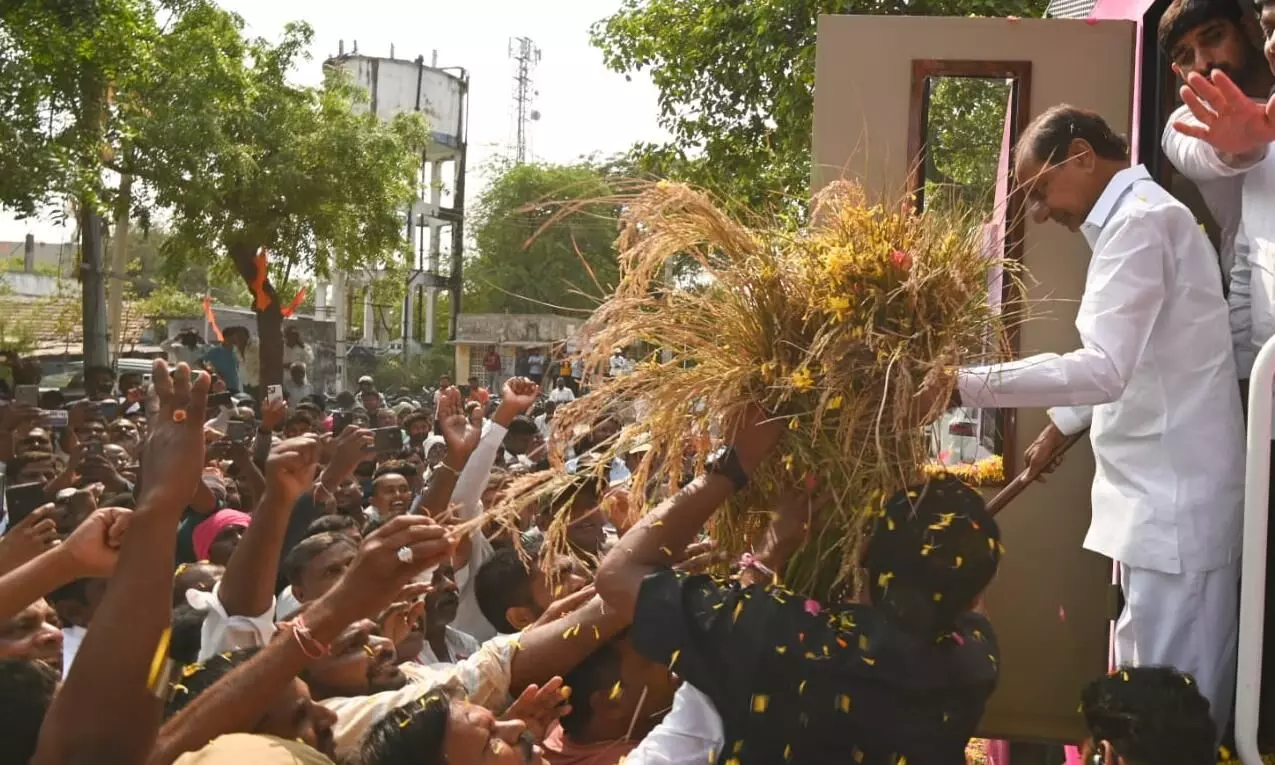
{"points": [[902, 680]]}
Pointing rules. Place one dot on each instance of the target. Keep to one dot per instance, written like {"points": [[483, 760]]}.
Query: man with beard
{"points": [[1203, 36], [444, 644]]}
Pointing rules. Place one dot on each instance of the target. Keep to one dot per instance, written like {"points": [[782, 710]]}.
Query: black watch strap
{"points": [[727, 464]]}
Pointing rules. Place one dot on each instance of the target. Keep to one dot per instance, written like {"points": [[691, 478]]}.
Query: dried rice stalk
{"points": [[834, 328]]}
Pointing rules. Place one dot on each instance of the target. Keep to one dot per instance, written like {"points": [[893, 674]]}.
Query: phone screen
{"points": [[388, 440], [21, 500], [237, 431], [274, 393], [341, 421], [220, 399]]}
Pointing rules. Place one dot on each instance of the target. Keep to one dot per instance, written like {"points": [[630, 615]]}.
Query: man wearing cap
{"points": [[773, 677]]}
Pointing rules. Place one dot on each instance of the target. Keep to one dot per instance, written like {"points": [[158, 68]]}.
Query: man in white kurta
{"points": [[1155, 382]]}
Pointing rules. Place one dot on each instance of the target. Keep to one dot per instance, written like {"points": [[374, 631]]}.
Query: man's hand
{"points": [[379, 571], [1229, 121], [516, 397], [94, 546], [291, 466], [350, 449], [272, 414], [461, 436], [173, 458], [540, 706], [98, 469], [32, 535], [755, 437], [397, 621], [1040, 456], [792, 520]]}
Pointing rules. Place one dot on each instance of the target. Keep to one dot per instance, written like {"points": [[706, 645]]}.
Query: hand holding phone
{"points": [[274, 393], [387, 440]]}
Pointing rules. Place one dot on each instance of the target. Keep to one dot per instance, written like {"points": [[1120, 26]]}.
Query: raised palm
{"points": [[1226, 118]]}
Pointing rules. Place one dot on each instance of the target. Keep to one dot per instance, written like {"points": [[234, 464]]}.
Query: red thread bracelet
{"points": [[311, 647]]}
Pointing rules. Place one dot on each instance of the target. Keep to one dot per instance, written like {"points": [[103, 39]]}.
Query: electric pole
{"points": [[526, 55]]}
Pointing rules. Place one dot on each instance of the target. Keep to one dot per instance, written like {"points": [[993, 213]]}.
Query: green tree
{"points": [[298, 171], [964, 136], [564, 268], [736, 83]]}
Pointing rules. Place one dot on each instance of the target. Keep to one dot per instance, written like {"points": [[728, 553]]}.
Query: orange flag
{"points": [[295, 304], [211, 318], [262, 301]]}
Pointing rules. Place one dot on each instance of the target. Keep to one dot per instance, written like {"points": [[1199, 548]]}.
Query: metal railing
{"points": [[1257, 488]]}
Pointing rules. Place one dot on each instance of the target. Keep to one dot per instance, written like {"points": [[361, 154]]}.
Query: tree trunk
{"points": [[269, 321], [119, 262]]}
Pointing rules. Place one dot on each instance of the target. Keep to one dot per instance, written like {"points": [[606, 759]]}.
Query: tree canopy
{"points": [[565, 268], [736, 83]]}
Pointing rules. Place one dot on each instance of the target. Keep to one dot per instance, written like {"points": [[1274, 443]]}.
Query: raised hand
{"points": [[540, 706], [291, 466], [520, 392], [272, 414], [32, 535], [460, 434], [390, 558], [95, 544], [350, 448], [397, 621], [173, 458], [1228, 120]]}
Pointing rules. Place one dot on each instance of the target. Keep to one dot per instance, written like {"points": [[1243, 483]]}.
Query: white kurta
{"points": [[1156, 380], [1220, 185], [1156, 367], [1253, 277]]}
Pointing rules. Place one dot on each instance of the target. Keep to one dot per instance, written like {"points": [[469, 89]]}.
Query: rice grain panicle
{"points": [[834, 327]]}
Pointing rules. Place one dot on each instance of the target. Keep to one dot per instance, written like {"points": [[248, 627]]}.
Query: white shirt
{"points": [[1252, 295], [459, 645], [535, 365], [297, 354], [690, 734], [1155, 377], [561, 396], [1220, 185], [72, 637], [250, 364], [468, 494], [296, 393]]}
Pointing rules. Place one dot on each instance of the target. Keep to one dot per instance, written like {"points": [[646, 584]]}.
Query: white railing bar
{"points": [[1257, 486]]}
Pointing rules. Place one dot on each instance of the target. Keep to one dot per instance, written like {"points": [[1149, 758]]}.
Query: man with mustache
{"points": [[1203, 36]]}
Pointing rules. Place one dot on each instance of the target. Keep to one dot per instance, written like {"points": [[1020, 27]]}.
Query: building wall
{"points": [[1048, 602]]}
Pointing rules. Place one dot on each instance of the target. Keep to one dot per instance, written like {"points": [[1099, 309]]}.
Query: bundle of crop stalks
{"points": [[835, 328]]}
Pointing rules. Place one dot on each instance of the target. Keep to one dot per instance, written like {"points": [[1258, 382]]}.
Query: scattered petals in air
{"points": [[901, 260], [1062, 614], [812, 607], [802, 379]]}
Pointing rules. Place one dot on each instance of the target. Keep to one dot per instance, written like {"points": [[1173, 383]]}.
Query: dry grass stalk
{"points": [[834, 328]]}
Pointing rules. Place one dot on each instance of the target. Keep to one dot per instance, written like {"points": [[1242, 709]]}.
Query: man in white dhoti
{"points": [[1155, 382]]}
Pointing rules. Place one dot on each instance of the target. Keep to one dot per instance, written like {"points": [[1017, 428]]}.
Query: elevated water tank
{"points": [[396, 85]]}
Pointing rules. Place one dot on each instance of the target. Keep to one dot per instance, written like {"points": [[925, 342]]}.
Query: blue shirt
{"points": [[226, 362]]}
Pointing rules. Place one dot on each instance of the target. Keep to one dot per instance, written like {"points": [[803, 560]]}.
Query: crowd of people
{"points": [[197, 568]]}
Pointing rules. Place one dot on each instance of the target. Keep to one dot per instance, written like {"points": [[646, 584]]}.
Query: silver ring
{"points": [[405, 554]]}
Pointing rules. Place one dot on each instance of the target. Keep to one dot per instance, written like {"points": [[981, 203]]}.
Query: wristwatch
{"points": [[726, 463]]}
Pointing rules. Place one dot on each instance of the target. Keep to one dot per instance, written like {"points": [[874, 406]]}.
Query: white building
{"points": [[434, 224]]}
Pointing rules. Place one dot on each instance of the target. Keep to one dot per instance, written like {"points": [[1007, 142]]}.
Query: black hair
{"points": [[600, 671], [52, 399], [194, 679], [334, 524], [504, 582], [522, 425], [98, 369], [295, 562], [397, 467], [299, 417], [1184, 15], [417, 416], [1150, 716], [1048, 138], [188, 624], [935, 548], [125, 500], [26, 692], [345, 400], [413, 734]]}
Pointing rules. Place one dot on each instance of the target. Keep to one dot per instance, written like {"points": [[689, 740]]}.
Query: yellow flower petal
{"points": [[616, 691], [760, 702], [843, 703]]}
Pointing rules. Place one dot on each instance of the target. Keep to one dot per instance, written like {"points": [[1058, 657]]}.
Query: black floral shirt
{"points": [[797, 683]]}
